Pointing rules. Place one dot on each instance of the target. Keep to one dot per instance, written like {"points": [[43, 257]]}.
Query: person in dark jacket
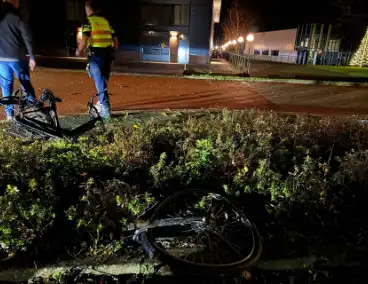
{"points": [[15, 42]]}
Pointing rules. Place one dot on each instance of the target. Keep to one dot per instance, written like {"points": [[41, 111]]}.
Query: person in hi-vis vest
{"points": [[100, 40]]}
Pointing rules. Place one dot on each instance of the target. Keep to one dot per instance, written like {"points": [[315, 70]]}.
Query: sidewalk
{"points": [[217, 67]]}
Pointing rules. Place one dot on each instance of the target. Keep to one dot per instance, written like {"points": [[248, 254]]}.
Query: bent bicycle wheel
{"points": [[212, 233], [33, 113], [38, 114]]}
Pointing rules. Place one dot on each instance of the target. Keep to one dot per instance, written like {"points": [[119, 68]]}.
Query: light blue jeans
{"points": [[21, 70], [99, 68]]}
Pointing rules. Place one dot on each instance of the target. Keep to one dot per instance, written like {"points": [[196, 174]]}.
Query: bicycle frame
{"points": [[52, 130], [141, 229]]}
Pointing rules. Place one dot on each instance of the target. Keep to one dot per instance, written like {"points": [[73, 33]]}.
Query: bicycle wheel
{"points": [[37, 114], [224, 238], [34, 113]]}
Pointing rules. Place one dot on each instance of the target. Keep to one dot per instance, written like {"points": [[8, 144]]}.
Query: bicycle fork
{"points": [[140, 236]]}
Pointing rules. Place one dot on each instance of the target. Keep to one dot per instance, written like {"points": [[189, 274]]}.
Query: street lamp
{"points": [[240, 40], [233, 42], [250, 38]]}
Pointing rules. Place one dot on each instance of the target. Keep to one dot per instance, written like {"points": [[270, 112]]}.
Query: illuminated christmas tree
{"points": [[360, 58]]}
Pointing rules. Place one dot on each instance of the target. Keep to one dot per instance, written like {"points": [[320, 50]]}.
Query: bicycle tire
{"points": [[247, 261], [22, 132], [38, 114]]}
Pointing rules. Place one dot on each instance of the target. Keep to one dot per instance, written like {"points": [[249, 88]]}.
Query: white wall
{"points": [[282, 40]]}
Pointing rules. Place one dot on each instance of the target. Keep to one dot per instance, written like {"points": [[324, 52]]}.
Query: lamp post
{"points": [[250, 38], [240, 40]]}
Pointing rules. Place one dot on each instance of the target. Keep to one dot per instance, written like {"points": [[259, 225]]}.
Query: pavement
{"points": [[217, 67], [143, 93]]}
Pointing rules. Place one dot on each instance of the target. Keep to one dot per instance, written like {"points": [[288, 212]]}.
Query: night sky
{"points": [[281, 14], [270, 15], [284, 14]]}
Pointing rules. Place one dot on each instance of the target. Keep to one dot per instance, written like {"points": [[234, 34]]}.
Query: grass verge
{"points": [[303, 180], [359, 72]]}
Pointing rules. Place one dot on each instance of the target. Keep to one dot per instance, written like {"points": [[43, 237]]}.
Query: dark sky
{"points": [[270, 15], [282, 14], [278, 14]]}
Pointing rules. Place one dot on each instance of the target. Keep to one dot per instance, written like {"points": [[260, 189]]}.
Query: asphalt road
{"points": [[157, 93]]}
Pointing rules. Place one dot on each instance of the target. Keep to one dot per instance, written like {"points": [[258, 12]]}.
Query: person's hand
{"points": [[77, 52], [32, 64]]}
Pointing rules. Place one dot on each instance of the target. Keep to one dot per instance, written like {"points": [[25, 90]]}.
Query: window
{"points": [[334, 45], [165, 14], [274, 52], [257, 52], [159, 39], [265, 52], [75, 10], [181, 15]]}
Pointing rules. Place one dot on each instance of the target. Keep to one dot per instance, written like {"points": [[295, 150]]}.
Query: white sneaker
{"points": [[103, 110]]}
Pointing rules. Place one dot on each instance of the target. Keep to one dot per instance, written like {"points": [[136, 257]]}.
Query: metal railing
{"points": [[239, 63], [275, 58]]}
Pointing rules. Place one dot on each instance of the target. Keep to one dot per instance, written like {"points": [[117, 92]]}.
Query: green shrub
{"points": [[310, 170]]}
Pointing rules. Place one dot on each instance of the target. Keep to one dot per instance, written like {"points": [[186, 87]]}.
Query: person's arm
{"points": [[86, 33], [82, 45], [27, 38], [115, 42]]}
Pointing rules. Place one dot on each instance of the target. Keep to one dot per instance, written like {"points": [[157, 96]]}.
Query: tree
{"points": [[349, 10], [238, 22], [360, 58]]}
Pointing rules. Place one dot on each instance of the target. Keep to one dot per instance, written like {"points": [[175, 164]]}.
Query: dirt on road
{"points": [[152, 93], [147, 92]]}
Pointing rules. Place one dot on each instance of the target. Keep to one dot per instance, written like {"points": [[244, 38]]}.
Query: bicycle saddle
{"points": [[47, 96]]}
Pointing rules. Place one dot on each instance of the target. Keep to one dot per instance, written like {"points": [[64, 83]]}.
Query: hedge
{"points": [[303, 180]]}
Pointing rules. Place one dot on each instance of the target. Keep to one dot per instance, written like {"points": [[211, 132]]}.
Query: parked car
{"points": [[215, 54]]}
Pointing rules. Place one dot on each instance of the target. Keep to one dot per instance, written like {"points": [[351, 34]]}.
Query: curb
{"points": [[135, 267], [284, 81]]}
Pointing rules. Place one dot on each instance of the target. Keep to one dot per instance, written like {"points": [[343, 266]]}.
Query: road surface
{"points": [[151, 93]]}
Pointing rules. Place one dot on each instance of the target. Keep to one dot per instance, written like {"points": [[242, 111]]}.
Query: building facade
{"points": [[274, 45], [307, 44], [175, 31], [178, 31]]}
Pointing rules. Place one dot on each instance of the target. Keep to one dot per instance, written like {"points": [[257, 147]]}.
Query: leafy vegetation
{"points": [[302, 179]]}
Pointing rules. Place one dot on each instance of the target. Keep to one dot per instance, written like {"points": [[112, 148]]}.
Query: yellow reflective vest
{"points": [[99, 32]]}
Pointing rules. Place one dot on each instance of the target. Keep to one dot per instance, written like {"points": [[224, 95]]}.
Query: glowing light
{"points": [[250, 37], [234, 41], [79, 33], [241, 39], [182, 52], [174, 34], [216, 47], [360, 57]]}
